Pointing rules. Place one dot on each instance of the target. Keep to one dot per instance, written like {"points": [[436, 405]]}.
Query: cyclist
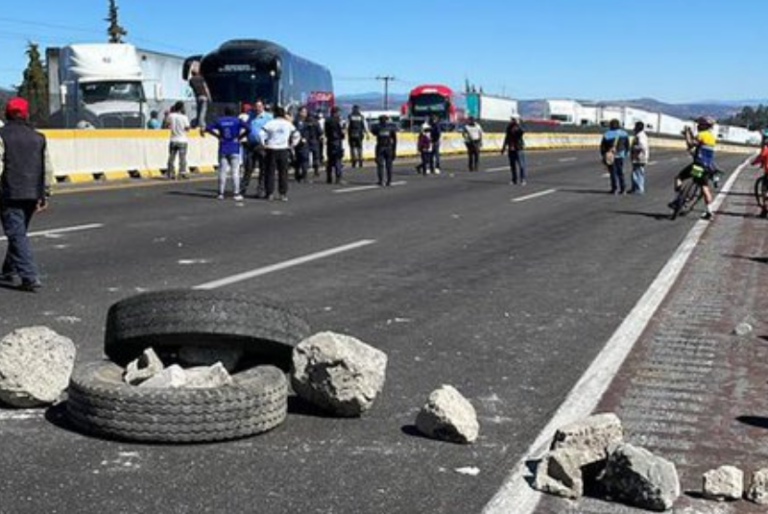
{"points": [[702, 146], [762, 160]]}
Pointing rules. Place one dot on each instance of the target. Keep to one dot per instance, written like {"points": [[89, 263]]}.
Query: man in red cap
{"points": [[26, 176]]}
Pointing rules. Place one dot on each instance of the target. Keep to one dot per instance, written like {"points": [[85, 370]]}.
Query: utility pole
{"points": [[386, 79]]}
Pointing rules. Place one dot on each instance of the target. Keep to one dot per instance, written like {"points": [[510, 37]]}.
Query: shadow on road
{"points": [[299, 407], [758, 260], [754, 421], [653, 215]]}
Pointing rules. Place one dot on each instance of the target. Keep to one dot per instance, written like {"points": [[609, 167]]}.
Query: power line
{"points": [[386, 79]]}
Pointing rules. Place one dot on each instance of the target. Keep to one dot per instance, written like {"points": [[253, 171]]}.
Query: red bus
{"points": [[427, 100]]}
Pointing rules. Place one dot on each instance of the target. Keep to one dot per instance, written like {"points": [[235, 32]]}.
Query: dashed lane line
{"points": [[568, 159], [64, 230], [516, 495], [533, 195], [248, 275], [366, 188]]}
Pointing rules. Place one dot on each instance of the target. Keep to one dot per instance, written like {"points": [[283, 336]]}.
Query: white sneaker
{"points": [[220, 197], [238, 198], [437, 171]]}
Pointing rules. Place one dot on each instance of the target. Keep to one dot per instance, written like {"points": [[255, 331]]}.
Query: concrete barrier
{"points": [[93, 155]]}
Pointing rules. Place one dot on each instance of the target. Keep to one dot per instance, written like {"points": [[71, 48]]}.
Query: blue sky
{"points": [[593, 49]]}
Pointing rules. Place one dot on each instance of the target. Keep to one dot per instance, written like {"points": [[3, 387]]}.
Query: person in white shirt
{"points": [[179, 125], [640, 153], [280, 137], [473, 138]]}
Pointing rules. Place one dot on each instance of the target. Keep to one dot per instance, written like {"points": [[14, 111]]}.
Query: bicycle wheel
{"points": [[688, 196], [761, 188]]}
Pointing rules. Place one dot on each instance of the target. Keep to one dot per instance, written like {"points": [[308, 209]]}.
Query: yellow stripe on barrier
{"points": [[206, 169], [115, 175], [79, 178], [150, 173]]}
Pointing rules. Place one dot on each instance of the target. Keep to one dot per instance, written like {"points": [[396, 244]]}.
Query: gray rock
{"points": [[743, 329], [758, 487], [725, 483], [172, 377], [145, 367], [636, 477], [208, 356], [559, 473], [207, 377], [592, 436], [35, 366], [448, 416], [338, 373]]}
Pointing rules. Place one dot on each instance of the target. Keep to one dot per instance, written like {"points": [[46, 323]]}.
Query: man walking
{"points": [[640, 155], [178, 123], [26, 177], [613, 149], [255, 146], [357, 130], [386, 149], [514, 144], [279, 136], [202, 97], [334, 137], [229, 129], [305, 130], [473, 139], [436, 133]]}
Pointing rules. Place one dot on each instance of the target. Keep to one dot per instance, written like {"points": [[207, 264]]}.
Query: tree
{"points": [[34, 87], [115, 30]]}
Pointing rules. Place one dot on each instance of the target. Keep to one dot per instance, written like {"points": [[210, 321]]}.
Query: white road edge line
{"points": [[534, 195], [568, 159], [240, 277], [55, 231], [516, 495], [366, 188], [652, 163], [494, 170], [21, 414]]}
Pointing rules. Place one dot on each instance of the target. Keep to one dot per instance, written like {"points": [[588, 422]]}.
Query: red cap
{"points": [[17, 107], [247, 107]]}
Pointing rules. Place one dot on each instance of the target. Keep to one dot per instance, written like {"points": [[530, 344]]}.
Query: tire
{"points": [[761, 186], [687, 199], [100, 403], [168, 320]]}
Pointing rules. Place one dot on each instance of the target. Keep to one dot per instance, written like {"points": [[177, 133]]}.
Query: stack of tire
{"points": [[102, 404]]}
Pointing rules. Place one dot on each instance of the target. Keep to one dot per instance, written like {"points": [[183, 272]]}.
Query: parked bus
{"points": [[245, 70], [427, 100]]}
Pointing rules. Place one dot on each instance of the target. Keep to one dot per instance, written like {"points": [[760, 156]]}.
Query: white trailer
{"points": [[566, 112]]}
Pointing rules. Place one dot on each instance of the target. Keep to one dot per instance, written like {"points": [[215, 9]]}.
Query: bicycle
{"points": [[761, 190], [691, 193]]}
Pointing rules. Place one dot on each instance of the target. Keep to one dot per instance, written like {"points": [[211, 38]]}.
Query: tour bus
{"points": [[427, 100], [244, 70]]}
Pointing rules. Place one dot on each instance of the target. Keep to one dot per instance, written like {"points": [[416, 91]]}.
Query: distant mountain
{"points": [[371, 101]]}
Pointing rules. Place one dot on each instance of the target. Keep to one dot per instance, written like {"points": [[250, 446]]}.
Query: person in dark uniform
{"points": [[26, 176], [386, 148], [436, 133], [514, 144], [314, 136], [357, 130], [334, 137], [301, 161]]}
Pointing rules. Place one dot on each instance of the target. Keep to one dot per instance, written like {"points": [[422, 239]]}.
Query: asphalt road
{"points": [[505, 292]]}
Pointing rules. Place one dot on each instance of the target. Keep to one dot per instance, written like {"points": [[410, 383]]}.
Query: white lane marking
{"points": [[494, 170], [366, 188], [606, 175], [534, 195], [21, 414], [515, 494], [652, 163], [568, 159], [57, 231], [674, 159], [240, 277]]}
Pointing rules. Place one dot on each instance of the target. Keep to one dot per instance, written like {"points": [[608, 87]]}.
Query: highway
{"points": [[506, 292]]}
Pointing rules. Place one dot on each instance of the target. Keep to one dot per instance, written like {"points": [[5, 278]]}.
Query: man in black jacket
{"points": [[334, 137], [386, 149], [514, 144], [357, 130], [26, 176]]}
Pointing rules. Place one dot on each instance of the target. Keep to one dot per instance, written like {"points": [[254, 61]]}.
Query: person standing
{"points": [[179, 125], [26, 177], [314, 137], [255, 147], [321, 123], [334, 137], [279, 136], [202, 97], [305, 129], [154, 122], [229, 130], [436, 133], [514, 145], [473, 139], [640, 154], [386, 149], [357, 130], [614, 148], [424, 146]]}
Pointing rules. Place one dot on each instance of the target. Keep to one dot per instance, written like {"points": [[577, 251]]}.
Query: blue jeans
{"points": [[617, 176], [15, 217], [436, 154], [638, 178], [517, 160]]}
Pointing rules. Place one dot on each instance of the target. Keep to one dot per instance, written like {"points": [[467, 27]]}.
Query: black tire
{"points": [[688, 197], [761, 186], [100, 403], [168, 320]]}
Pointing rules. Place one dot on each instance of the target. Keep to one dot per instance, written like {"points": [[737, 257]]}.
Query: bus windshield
{"points": [[427, 104], [96, 92], [241, 87]]}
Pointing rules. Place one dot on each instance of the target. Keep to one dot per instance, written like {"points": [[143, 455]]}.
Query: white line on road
{"points": [[534, 195], [21, 414], [568, 159], [57, 231], [652, 163], [240, 277], [366, 188], [515, 494], [606, 175], [495, 170]]}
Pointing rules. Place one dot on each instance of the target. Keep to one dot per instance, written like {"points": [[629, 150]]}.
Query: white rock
{"points": [[743, 329], [172, 377], [448, 416], [559, 473], [723, 483], [758, 487], [207, 377], [35, 366], [208, 356], [592, 436], [145, 367], [338, 373]]}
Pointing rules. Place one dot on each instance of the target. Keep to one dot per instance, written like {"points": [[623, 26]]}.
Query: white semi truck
{"points": [[111, 85]]}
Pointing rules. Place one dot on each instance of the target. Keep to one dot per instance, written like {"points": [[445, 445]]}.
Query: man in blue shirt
{"points": [[258, 154], [614, 149], [229, 129]]}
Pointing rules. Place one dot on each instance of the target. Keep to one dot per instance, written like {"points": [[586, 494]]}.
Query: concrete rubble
{"points": [[35, 366], [725, 483], [191, 356], [448, 416], [172, 377], [338, 373], [743, 329], [175, 377], [145, 367], [758, 487]]}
